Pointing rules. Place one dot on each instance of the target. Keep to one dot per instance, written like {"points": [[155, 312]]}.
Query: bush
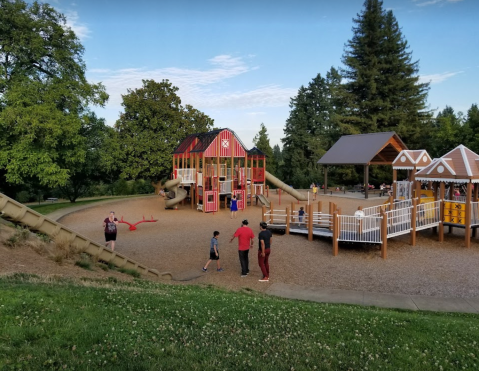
{"points": [[23, 197]]}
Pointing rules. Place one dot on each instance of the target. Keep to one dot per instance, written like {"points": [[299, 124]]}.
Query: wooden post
{"points": [[271, 209], [267, 191], [288, 219], [310, 222], [384, 235], [366, 181], [413, 222], [320, 206], [263, 211], [325, 179], [441, 223], [335, 233], [391, 203], [468, 214], [292, 212], [360, 224]]}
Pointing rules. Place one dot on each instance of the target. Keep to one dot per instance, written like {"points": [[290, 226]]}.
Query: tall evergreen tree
{"points": [[261, 141], [383, 91], [472, 125]]}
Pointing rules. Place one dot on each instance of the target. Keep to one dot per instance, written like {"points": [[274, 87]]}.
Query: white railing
{"points": [[359, 229], [404, 190], [474, 213], [399, 221], [277, 216], [249, 173], [428, 215], [200, 179], [187, 175], [376, 210], [226, 187], [461, 199], [321, 220]]}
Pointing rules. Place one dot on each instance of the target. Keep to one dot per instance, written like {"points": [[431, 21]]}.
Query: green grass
{"points": [[143, 325], [48, 208]]}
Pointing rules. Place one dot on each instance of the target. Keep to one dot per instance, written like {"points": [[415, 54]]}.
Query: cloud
{"points": [[80, 29], [204, 89], [432, 2], [438, 78]]}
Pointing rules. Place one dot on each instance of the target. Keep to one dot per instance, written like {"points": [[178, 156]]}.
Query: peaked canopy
{"points": [[364, 149], [412, 160], [461, 165]]}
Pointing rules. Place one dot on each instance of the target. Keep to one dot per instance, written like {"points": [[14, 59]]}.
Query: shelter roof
{"points": [[460, 165], [255, 151], [412, 159], [364, 149]]}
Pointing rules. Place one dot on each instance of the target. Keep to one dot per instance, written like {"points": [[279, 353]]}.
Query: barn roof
{"points": [[364, 149], [460, 165], [203, 141]]}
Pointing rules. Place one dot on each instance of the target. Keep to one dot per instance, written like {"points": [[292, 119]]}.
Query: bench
{"points": [[52, 199]]}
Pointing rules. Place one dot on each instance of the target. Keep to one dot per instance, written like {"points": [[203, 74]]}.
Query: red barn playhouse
{"points": [[214, 166]]}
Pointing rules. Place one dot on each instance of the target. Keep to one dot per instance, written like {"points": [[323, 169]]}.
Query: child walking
{"points": [[301, 214], [214, 253]]}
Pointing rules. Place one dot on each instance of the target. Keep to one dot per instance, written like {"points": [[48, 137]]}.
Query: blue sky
{"points": [[241, 61]]}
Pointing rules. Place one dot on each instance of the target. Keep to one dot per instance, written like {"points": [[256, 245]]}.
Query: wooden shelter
{"points": [[459, 166], [363, 149]]}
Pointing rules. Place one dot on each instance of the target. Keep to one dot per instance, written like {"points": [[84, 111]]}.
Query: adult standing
{"points": [[245, 242], [265, 238], [234, 206], [109, 225]]}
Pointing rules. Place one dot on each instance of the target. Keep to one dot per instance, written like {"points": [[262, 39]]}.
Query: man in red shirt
{"points": [[245, 242]]}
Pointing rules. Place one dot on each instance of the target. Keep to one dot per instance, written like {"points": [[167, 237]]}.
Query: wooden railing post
{"points": [[384, 235], [413, 222], [335, 233], [310, 222], [331, 211], [442, 192], [320, 206], [263, 210], [271, 212], [288, 220], [292, 212]]}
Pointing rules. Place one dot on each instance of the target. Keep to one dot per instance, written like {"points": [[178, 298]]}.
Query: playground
{"points": [[179, 243]]}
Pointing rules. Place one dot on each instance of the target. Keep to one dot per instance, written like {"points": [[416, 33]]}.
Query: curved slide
{"points": [[278, 183], [180, 193], [19, 213]]}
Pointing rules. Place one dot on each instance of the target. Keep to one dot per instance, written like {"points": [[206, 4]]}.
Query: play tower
{"points": [[216, 165]]}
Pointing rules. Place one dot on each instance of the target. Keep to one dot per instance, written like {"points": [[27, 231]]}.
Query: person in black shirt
{"points": [[265, 239]]}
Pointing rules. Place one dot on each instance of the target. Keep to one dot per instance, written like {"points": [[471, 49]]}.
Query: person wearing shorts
{"points": [[214, 253], [110, 228]]}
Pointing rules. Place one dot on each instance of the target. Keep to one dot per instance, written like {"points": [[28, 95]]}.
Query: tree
{"points": [[449, 132], [472, 125], [382, 91], [152, 126], [43, 95], [261, 141], [311, 129]]}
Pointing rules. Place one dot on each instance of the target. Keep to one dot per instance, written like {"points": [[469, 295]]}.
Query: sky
{"points": [[241, 61]]}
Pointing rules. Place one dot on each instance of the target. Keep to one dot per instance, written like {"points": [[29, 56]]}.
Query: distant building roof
{"points": [[256, 152], [460, 165], [364, 149]]}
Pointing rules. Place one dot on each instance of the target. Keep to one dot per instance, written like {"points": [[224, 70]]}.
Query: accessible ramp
{"points": [[19, 213], [180, 193], [278, 183]]}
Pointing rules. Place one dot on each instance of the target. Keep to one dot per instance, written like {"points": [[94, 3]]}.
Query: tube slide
{"points": [[180, 194], [278, 183], [263, 200], [19, 213]]}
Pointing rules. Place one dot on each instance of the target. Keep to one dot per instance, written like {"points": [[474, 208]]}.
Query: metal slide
{"points": [[19, 213], [278, 183], [263, 200], [180, 193]]}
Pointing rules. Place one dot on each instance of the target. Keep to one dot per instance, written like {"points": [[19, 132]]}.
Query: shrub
{"points": [[131, 272]]}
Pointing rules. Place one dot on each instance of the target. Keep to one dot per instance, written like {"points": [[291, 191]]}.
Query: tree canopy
{"points": [[44, 94], [261, 141], [153, 124]]}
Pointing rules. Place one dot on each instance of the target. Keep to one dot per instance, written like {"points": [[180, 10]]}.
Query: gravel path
{"points": [[179, 243]]}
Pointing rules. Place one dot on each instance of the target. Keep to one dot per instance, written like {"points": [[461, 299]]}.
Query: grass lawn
{"points": [[151, 326], [47, 208]]}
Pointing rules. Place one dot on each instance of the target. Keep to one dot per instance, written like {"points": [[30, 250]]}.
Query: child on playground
{"points": [[214, 253], [315, 191], [301, 214], [234, 206]]}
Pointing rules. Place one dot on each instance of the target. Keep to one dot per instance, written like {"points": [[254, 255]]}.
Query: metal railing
{"points": [[474, 213], [359, 229], [428, 215], [276, 217], [376, 210], [399, 221], [321, 220]]}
